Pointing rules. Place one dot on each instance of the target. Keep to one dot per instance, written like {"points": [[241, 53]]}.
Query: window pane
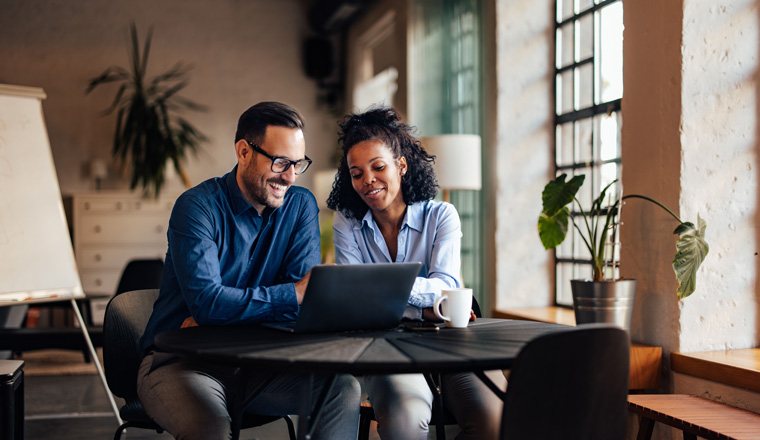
{"points": [[609, 137], [565, 9], [564, 275], [585, 192], [565, 92], [611, 51], [567, 44], [585, 37], [565, 249], [585, 79], [583, 141], [580, 251], [584, 5], [564, 147], [608, 173]]}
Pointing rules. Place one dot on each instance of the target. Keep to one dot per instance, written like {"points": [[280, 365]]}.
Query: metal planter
{"points": [[604, 301]]}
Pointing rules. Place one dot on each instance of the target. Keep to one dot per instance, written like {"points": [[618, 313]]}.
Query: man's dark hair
{"points": [[252, 125], [382, 124]]}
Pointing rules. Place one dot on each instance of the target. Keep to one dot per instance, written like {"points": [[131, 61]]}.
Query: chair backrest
{"points": [[126, 316], [570, 385], [476, 307], [141, 274]]}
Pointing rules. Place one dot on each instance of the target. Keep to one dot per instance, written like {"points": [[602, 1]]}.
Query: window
{"points": [[588, 92], [446, 99]]}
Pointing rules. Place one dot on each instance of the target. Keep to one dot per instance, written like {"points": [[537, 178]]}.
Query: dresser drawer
{"points": [[105, 257], [100, 281], [85, 205], [110, 228], [122, 229]]}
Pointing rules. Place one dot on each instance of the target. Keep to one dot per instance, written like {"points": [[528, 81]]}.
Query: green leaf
{"points": [[553, 229], [557, 194], [691, 250]]}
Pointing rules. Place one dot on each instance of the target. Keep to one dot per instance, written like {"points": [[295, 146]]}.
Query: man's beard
{"points": [[260, 191]]}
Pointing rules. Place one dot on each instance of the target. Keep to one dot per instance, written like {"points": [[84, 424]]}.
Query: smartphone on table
{"points": [[420, 326]]}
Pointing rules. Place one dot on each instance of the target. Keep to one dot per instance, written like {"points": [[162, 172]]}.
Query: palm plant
{"points": [[598, 225], [148, 131]]}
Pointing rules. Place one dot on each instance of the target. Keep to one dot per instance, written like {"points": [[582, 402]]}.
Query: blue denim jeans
{"points": [[189, 399]]}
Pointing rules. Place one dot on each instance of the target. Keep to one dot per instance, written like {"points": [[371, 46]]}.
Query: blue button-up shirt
{"points": [[430, 234], [227, 264]]}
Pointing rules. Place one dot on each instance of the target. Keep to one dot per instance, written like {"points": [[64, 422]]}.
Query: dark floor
{"points": [[76, 408]]}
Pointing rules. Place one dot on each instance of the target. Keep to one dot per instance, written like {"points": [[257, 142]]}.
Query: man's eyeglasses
{"points": [[281, 164]]}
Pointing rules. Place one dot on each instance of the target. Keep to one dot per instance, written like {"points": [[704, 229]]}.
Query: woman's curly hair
{"points": [[382, 124]]}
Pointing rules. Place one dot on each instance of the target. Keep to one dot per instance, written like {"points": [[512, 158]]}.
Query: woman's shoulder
{"points": [[437, 208], [342, 221]]}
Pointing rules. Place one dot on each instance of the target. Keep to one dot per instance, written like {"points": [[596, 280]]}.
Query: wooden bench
{"points": [[694, 416]]}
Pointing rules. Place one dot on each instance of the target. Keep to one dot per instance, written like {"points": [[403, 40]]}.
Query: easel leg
{"points": [[95, 359]]}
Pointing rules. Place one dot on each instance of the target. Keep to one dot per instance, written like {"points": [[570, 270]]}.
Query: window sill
{"points": [[739, 368], [646, 360]]}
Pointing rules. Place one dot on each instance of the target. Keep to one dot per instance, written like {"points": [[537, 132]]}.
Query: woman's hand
{"points": [[429, 315]]}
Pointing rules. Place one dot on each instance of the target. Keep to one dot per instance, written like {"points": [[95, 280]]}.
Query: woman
{"points": [[383, 194]]}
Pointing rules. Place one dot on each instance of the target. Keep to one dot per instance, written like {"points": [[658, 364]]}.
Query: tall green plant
{"points": [[148, 130], [597, 225]]}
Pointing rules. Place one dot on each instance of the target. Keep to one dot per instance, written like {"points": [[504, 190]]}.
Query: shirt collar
{"points": [[412, 218], [237, 201]]}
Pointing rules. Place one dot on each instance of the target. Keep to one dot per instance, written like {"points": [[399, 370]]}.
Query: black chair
{"points": [[569, 385], [367, 413], [126, 317], [141, 274], [138, 274]]}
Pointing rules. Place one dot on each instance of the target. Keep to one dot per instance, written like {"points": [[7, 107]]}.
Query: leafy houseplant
{"points": [[148, 132], [598, 225]]}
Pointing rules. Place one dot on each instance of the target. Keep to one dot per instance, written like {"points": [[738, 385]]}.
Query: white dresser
{"points": [[111, 228]]}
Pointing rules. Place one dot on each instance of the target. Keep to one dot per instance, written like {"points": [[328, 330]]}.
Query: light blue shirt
{"points": [[430, 234]]}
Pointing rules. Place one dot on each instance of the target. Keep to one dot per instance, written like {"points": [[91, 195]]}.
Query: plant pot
{"points": [[604, 301]]}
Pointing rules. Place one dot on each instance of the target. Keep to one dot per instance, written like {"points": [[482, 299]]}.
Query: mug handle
{"points": [[437, 306]]}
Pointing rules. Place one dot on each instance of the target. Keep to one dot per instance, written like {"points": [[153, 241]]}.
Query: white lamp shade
{"points": [[323, 181], [98, 169], [457, 160]]}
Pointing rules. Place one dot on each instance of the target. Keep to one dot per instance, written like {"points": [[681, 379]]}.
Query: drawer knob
{"points": [[98, 257], [97, 229], [98, 282]]}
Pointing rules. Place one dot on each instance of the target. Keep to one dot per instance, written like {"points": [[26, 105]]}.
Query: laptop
{"points": [[353, 297]]}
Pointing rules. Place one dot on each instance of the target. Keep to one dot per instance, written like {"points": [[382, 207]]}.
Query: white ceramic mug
{"points": [[454, 307]]}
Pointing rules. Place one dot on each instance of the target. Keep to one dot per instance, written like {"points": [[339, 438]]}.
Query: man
{"points": [[241, 248]]}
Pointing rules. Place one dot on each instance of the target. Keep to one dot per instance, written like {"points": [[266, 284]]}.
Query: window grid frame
{"points": [[573, 264]]}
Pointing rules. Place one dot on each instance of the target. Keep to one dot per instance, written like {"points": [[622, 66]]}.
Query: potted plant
{"points": [[148, 132], [611, 299]]}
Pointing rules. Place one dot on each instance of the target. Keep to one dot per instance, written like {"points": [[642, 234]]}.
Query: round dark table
{"points": [[486, 344]]}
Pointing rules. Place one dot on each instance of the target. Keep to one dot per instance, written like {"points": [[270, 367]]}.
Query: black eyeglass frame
{"points": [[294, 163]]}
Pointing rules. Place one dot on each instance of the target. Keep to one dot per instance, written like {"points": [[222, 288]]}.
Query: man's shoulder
{"points": [[299, 191], [206, 195], [298, 195]]}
